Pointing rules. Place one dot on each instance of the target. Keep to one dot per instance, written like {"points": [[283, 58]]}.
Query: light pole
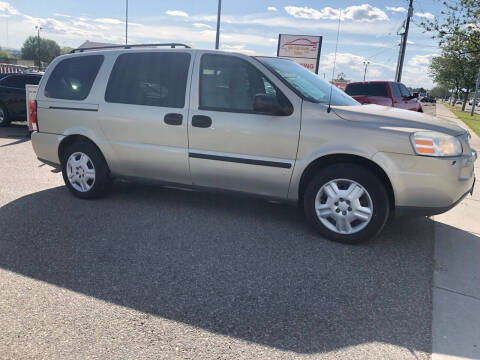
{"points": [[217, 40], [403, 44], [366, 63], [126, 22], [38, 38]]}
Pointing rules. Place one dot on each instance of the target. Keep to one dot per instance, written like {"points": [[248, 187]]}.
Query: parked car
{"points": [[476, 102], [459, 102], [257, 125], [12, 96], [386, 93], [428, 99]]}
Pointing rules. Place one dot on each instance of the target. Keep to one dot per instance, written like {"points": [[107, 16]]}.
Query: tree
{"points": [[65, 50], [49, 49], [439, 91], [454, 70], [458, 32], [4, 54]]}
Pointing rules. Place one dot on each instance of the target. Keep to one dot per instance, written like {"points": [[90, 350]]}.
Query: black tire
{"points": [[371, 183], [4, 120], [102, 182]]}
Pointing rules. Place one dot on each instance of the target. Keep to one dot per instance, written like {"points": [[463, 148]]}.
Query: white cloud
{"points": [[108, 21], [425, 15], [238, 48], [396, 9], [421, 60], [282, 22], [272, 8], [365, 12], [8, 9], [62, 15], [200, 25], [176, 13]]}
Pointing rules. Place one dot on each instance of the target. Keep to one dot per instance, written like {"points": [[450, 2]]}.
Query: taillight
{"points": [[32, 108]]}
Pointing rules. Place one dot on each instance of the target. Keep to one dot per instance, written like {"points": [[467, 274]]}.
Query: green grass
{"points": [[473, 122]]}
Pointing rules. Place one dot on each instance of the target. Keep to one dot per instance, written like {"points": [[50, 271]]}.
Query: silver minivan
{"points": [[257, 125]]}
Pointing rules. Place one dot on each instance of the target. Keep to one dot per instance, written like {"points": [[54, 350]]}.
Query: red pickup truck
{"points": [[387, 93]]}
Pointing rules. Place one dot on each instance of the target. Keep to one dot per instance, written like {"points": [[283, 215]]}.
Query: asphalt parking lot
{"points": [[156, 273]]}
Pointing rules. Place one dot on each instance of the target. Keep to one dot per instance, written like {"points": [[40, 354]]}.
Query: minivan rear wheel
{"points": [[85, 170], [347, 203]]}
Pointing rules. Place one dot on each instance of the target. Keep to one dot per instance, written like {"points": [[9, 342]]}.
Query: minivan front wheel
{"points": [[85, 171], [346, 203]]}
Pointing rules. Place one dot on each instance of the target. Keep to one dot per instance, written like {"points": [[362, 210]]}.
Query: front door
{"points": [[230, 145], [144, 116]]}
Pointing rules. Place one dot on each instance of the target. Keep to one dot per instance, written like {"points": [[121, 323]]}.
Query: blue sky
{"points": [[367, 33]]}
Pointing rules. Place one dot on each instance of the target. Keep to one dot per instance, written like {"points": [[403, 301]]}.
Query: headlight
{"points": [[432, 143]]}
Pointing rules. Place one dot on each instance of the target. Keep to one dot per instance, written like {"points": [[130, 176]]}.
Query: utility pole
{"points": [[126, 22], [217, 41], [403, 44], [475, 97], [38, 37], [366, 63]]}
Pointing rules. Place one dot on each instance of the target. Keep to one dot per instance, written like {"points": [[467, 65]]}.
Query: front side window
{"points": [[404, 90], [305, 83], [395, 90], [151, 78], [228, 83], [72, 78]]}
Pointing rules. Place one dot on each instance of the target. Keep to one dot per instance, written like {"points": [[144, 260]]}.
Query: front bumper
{"points": [[426, 185]]}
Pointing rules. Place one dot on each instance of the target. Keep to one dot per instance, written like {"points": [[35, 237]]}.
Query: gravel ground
{"points": [[160, 273]]}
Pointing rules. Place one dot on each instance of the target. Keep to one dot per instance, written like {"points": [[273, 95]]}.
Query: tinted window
{"points": [[14, 81], [395, 90], [377, 89], [73, 78], [154, 79], [228, 83], [404, 90], [356, 89], [33, 80]]}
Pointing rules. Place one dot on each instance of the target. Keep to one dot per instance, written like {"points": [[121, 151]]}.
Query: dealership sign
{"points": [[303, 49]]}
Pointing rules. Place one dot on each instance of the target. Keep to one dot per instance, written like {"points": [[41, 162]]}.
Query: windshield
{"points": [[306, 83]]}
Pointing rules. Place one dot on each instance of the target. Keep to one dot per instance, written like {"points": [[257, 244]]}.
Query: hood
{"points": [[394, 117]]}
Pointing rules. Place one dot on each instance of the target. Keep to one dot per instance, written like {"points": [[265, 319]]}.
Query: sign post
{"points": [[303, 49]]}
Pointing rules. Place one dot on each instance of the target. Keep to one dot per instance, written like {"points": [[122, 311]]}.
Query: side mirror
{"points": [[268, 104], [415, 95]]}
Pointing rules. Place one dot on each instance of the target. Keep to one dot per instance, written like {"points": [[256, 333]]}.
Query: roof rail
{"points": [[172, 45]]}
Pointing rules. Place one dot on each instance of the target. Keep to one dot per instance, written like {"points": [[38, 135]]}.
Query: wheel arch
{"points": [[73, 138], [326, 160]]}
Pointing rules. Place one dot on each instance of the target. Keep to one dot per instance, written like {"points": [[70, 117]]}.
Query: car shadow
{"points": [[16, 130], [243, 268]]}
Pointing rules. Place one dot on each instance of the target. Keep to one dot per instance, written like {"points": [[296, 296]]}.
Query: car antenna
{"points": [[334, 63]]}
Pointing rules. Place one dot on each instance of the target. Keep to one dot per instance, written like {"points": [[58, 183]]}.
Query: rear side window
{"points": [[377, 89], [14, 81], [73, 78], [356, 89], [153, 78]]}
